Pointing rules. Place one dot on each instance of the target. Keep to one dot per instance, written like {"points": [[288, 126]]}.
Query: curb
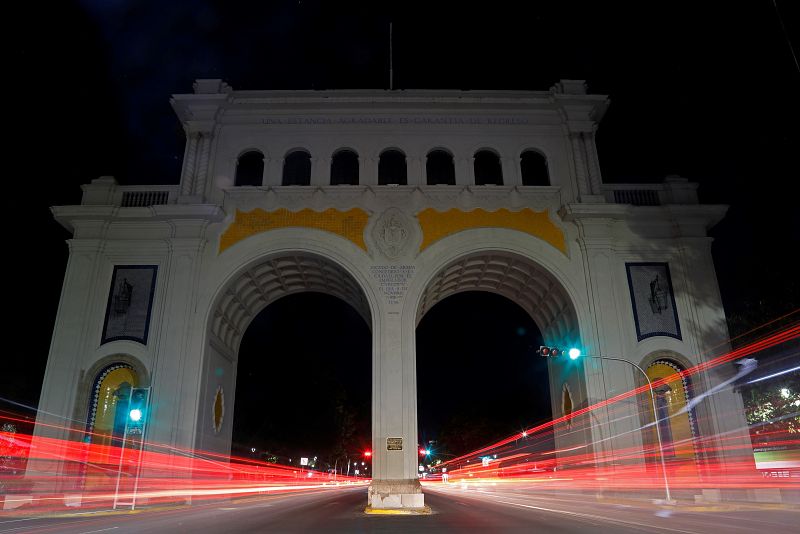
{"points": [[425, 510]]}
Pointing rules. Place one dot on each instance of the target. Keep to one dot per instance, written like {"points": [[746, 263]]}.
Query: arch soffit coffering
{"points": [[255, 282], [536, 287]]}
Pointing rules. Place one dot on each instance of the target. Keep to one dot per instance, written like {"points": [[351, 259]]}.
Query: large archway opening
{"points": [[290, 352], [480, 320], [478, 376], [303, 384]]}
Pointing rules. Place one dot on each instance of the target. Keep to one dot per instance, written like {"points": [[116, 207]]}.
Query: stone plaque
{"points": [[394, 444], [393, 280]]}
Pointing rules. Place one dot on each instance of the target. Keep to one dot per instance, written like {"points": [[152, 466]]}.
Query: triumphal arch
{"points": [[391, 201]]}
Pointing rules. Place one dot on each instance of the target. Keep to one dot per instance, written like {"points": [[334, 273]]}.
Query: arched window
{"points": [[676, 423], [344, 168], [566, 403], [108, 404], [249, 168], [487, 168], [440, 169], [297, 168], [534, 168], [392, 168], [105, 423]]}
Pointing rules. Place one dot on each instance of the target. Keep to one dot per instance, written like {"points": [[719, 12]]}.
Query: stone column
{"points": [[367, 171], [511, 171], [395, 482], [83, 291], [415, 171], [465, 171], [176, 370], [320, 171], [273, 172]]}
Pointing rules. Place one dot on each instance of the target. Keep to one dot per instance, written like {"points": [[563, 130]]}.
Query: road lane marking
{"points": [[597, 517], [101, 530]]}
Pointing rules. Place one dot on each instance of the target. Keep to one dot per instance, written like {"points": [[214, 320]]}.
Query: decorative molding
{"points": [[393, 232], [218, 410], [437, 225], [347, 224]]}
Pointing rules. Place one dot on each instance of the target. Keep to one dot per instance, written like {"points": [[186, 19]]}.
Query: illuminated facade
{"points": [[391, 201]]}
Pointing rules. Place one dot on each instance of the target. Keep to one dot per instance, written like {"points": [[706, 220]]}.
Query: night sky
{"points": [[708, 92]]}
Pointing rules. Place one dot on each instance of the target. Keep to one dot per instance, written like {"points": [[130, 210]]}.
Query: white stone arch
{"points": [[296, 148], [302, 242], [482, 147], [329, 257], [497, 242], [440, 147], [280, 166], [691, 388], [475, 150], [251, 148], [527, 147], [89, 376], [345, 148]]}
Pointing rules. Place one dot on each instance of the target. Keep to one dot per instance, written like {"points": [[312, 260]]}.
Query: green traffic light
{"points": [[574, 353]]}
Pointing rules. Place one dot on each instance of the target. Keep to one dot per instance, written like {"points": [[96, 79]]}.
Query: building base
{"points": [[395, 495]]}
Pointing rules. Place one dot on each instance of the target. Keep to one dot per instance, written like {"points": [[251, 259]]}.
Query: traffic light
{"points": [[574, 353], [367, 453], [549, 351], [137, 410]]}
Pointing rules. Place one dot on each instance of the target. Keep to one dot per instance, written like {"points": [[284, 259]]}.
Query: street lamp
{"points": [[575, 353]]}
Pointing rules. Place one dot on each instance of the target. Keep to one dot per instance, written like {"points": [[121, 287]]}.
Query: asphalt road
{"points": [[453, 510]]}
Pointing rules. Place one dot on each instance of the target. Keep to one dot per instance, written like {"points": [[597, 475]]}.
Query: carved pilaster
{"points": [[511, 175], [202, 163], [590, 148], [579, 156], [189, 163], [320, 171]]}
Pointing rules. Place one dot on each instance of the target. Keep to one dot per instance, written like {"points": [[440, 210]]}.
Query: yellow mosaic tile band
{"points": [[348, 224], [439, 224]]}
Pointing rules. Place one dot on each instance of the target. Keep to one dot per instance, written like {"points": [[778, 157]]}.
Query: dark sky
{"points": [[707, 90]]}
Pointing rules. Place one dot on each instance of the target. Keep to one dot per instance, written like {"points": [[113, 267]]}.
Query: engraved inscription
{"points": [[393, 280], [394, 444]]}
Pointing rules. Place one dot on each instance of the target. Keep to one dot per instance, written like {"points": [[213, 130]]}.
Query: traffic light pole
{"points": [[655, 418]]}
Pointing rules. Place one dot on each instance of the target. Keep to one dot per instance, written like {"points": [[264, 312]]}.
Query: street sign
{"points": [[303, 461], [394, 444]]}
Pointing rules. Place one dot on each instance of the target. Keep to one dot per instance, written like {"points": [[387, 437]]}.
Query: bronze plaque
{"points": [[394, 444]]}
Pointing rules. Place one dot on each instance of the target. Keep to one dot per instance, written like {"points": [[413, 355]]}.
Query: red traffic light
{"points": [[423, 452], [367, 453]]}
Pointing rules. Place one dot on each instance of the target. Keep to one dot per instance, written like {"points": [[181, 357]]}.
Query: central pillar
{"points": [[395, 483]]}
